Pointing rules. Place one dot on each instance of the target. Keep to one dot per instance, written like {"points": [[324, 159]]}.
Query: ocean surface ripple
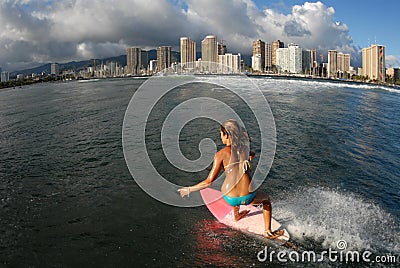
{"points": [[68, 199]]}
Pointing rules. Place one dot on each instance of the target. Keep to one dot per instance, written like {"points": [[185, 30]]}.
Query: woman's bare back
{"points": [[235, 184]]}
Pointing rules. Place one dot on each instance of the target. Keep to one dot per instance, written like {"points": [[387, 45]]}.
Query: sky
{"points": [[35, 32]]}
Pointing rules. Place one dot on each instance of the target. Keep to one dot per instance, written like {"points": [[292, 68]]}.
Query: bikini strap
{"points": [[246, 165]]}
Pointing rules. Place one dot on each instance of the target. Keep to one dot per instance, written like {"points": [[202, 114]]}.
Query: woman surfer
{"points": [[237, 190]]}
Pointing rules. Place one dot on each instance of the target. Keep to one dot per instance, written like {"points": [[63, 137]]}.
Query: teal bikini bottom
{"points": [[240, 200]]}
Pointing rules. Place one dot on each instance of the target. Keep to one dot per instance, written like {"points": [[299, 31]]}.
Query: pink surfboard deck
{"points": [[253, 222]]}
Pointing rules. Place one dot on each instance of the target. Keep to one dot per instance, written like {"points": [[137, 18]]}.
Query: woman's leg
{"points": [[238, 215], [262, 198]]}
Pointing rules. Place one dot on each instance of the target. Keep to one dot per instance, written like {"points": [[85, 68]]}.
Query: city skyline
{"points": [[36, 32]]}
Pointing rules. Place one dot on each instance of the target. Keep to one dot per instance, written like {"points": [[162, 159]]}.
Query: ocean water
{"points": [[68, 199]]}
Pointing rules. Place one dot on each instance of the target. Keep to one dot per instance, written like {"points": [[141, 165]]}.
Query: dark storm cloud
{"points": [[35, 32]]}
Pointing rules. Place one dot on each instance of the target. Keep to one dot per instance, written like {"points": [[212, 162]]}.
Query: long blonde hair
{"points": [[240, 142]]}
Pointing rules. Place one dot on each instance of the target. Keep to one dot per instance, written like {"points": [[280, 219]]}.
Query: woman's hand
{"points": [[185, 191]]}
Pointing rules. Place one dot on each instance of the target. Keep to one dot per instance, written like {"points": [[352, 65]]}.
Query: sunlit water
{"points": [[68, 199]]}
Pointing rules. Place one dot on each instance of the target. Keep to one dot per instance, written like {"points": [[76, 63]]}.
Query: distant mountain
{"points": [[79, 65], [38, 70], [73, 65]]}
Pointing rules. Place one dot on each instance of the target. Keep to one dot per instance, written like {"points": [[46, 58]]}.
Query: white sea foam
{"points": [[327, 216], [278, 84], [268, 83]]}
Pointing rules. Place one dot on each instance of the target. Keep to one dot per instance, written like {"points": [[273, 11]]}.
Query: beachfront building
{"points": [[109, 69], [229, 63], [188, 52], [275, 45], [163, 57], [5, 76], [133, 59], [258, 58], [373, 62], [310, 63], [209, 49], [137, 60], [295, 59], [289, 60], [54, 69], [282, 60], [343, 65], [144, 60], [307, 62], [257, 63], [268, 57], [332, 63], [338, 64], [209, 53], [113, 69]]}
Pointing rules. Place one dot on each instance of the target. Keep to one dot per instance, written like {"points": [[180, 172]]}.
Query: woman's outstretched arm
{"points": [[212, 176]]}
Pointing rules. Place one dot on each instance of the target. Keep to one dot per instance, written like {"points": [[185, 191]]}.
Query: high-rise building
{"points": [[229, 63], [343, 64], [268, 57], [209, 53], [55, 69], [332, 63], [295, 59], [113, 68], [289, 60], [338, 64], [144, 60], [347, 63], [340, 61], [373, 62], [307, 61], [258, 59], [282, 60], [5, 76], [163, 57], [209, 49], [188, 52], [310, 62], [134, 60], [275, 45], [314, 57], [314, 60]]}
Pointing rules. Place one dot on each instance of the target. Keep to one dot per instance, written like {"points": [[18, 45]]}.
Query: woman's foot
{"points": [[275, 234], [241, 215]]}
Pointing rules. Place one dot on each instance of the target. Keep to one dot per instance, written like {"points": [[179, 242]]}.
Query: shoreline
{"points": [[23, 83], [309, 78]]}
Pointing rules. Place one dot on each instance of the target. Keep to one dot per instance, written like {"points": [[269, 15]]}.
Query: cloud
{"points": [[48, 31], [392, 61], [294, 29], [36, 31], [311, 25]]}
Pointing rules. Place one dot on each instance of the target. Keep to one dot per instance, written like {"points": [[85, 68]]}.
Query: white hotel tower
{"points": [[290, 59]]}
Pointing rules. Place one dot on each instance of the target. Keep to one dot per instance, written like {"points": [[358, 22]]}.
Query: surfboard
{"points": [[252, 223]]}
